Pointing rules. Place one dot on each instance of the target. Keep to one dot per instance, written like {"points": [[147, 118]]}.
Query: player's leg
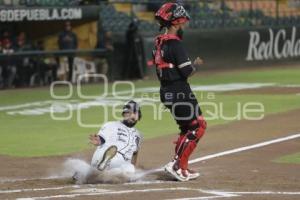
{"points": [[119, 164], [169, 98], [185, 146], [121, 168], [103, 156], [187, 143], [192, 126]]}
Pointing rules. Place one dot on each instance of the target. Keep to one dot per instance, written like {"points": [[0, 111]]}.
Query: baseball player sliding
{"points": [[118, 142], [173, 68]]}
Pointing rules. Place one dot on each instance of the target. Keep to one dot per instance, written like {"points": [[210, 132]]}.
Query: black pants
{"points": [[182, 103]]}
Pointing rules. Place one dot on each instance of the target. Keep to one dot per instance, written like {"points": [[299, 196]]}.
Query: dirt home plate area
{"points": [[235, 161]]}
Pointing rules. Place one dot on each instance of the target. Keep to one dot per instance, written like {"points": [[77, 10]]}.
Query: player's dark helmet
{"points": [[134, 107], [171, 14]]}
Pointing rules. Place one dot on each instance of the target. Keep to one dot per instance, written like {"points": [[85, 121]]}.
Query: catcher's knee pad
{"points": [[201, 127], [187, 143]]}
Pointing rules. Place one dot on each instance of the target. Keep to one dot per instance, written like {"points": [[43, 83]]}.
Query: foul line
{"points": [[224, 153], [245, 148]]}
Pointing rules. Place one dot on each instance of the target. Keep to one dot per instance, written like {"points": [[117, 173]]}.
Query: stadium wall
{"points": [[238, 48]]}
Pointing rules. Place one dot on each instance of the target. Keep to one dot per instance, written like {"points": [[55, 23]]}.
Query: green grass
{"points": [[279, 76], [292, 159], [42, 136]]}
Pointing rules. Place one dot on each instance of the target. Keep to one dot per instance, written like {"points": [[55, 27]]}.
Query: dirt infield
{"points": [[247, 174]]}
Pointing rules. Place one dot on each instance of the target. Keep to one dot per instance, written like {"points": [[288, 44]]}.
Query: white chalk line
{"points": [[111, 193], [215, 193], [233, 151], [223, 194], [214, 155], [31, 179], [262, 144], [51, 188], [268, 192], [37, 189]]}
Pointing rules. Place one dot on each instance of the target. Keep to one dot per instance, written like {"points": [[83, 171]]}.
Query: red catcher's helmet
{"points": [[171, 14]]}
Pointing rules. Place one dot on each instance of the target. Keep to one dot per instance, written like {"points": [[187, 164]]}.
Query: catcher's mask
{"points": [[171, 14]]}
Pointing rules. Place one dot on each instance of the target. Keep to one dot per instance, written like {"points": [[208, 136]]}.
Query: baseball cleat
{"points": [[179, 174], [192, 174], [108, 155]]}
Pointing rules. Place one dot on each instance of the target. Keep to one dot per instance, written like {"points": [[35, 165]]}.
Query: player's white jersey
{"points": [[126, 139]]}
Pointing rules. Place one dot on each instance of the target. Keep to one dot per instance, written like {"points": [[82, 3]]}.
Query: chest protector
{"points": [[157, 54]]}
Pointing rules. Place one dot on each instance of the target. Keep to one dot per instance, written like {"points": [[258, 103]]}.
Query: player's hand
{"points": [[198, 61], [95, 140]]}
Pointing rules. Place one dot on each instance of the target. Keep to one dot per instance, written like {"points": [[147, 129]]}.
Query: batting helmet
{"points": [[171, 14], [132, 106]]}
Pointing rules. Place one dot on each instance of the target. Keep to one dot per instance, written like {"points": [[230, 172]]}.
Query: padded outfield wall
{"points": [[238, 48]]}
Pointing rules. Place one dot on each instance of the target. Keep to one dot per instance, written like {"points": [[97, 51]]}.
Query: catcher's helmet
{"points": [[171, 14], [132, 106]]}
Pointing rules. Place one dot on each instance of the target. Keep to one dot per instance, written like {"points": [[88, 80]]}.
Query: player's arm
{"points": [[96, 140], [187, 69], [106, 132], [197, 62], [134, 158], [183, 63], [138, 141]]}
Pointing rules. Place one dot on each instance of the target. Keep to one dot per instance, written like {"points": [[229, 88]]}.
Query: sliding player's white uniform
{"points": [[127, 140]]}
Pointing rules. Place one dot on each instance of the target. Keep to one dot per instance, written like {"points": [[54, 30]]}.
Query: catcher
{"points": [[173, 68]]}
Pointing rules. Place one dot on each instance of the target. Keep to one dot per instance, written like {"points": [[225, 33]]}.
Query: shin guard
{"points": [[186, 144]]}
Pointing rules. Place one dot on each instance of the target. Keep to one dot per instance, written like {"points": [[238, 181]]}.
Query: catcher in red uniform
{"points": [[173, 68]]}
